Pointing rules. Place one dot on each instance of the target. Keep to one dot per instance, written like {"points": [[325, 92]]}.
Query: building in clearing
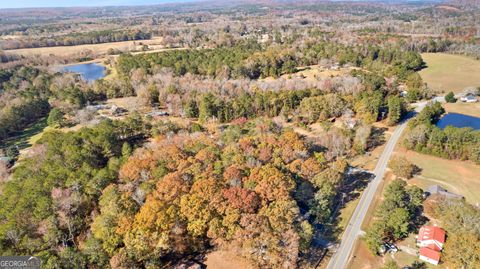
{"points": [[429, 255], [469, 98], [430, 239], [435, 189]]}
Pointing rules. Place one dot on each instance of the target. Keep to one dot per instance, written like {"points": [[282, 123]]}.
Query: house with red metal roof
{"points": [[430, 239], [429, 255]]}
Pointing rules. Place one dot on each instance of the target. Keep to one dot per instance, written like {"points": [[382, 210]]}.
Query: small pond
{"points": [[89, 72], [459, 120]]}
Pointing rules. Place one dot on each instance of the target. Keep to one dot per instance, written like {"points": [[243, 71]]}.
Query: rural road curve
{"points": [[341, 257]]}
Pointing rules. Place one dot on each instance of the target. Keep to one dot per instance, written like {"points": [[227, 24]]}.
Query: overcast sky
{"points": [[77, 3]]}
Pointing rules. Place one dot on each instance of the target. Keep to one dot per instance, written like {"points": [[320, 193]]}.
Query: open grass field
{"points": [[313, 72], [446, 72], [346, 214], [154, 44], [471, 109], [456, 176]]}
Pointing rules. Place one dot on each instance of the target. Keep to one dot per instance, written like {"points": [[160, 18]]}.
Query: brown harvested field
{"points": [[226, 260], [471, 109], [154, 44], [447, 72], [456, 176]]}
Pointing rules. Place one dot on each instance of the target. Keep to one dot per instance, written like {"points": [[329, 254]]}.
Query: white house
{"points": [[469, 98]]}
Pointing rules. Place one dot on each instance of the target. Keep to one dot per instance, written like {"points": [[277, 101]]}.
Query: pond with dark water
{"points": [[459, 120], [89, 72]]}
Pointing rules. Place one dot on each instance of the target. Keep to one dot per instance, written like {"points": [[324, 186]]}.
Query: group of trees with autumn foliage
{"points": [[460, 220], [107, 197], [182, 194]]}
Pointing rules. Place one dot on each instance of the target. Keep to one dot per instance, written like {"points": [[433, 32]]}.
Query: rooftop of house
{"points": [[431, 233], [430, 253], [470, 96], [436, 189], [434, 247]]}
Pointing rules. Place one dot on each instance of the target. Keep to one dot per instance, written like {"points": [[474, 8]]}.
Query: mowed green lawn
{"points": [[446, 72], [456, 176]]}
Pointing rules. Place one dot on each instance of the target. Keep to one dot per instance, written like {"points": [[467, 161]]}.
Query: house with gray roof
{"points": [[435, 189]]}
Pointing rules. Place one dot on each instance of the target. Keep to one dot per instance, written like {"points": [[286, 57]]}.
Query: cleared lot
{"points": [[446, 72]]}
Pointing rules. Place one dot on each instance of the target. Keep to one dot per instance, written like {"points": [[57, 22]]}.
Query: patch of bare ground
{"points": [[449, 8], [220, 259], [363, 258]]}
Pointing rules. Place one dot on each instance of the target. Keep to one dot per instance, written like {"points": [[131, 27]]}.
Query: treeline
{"points": [[180, 194], [250, 60], [246, 60], [388, 60], [398, 215], [308, 105], [95, 37], [5, 58], [460, 46], [364, 93], [450, 143]]}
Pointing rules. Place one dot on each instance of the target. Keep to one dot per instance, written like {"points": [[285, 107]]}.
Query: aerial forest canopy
{"points": [[176, 195], [252, 60], [182, 135]]}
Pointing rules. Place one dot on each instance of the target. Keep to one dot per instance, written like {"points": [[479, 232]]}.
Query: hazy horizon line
{"points": [[90, 4]]}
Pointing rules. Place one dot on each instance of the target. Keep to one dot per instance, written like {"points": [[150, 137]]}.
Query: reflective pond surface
{"points": [[459, 120], [89, 72]]}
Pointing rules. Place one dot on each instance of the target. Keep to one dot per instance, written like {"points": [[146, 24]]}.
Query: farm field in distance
{"points": [[134, 45], [447, 72]]}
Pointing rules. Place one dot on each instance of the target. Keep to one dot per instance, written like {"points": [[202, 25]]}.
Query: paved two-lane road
{"points": [[341, 257]]}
